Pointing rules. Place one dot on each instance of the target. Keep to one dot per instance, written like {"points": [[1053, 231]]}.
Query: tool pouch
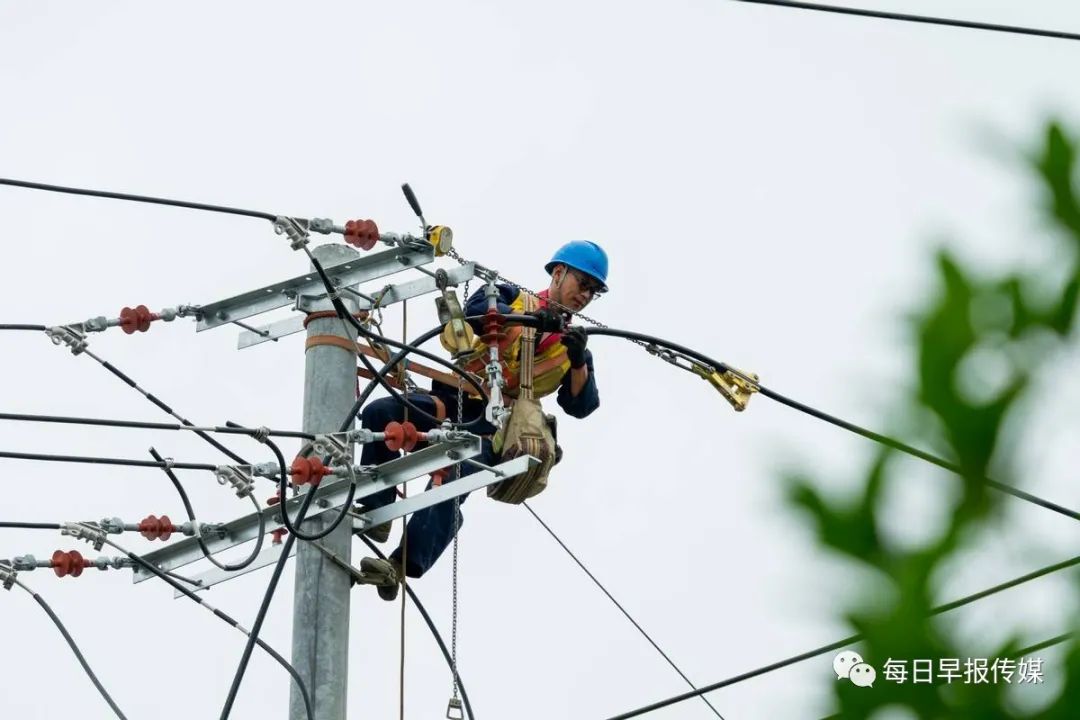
{"points": [[528, 431]]}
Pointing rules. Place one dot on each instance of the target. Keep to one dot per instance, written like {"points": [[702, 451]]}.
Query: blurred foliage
{"points": [[980, 343]]}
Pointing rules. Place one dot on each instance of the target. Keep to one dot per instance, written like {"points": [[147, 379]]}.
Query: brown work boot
{"points": [[387, 575], [379, 533]]}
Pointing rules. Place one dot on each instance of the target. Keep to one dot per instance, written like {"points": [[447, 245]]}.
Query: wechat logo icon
{"points": [[850, 665]]}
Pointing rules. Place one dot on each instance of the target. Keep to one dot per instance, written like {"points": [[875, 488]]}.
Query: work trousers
{"points": [[430, 530]]}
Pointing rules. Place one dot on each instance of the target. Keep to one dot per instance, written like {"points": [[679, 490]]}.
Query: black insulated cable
{"points": [[264, 606], [283, 488], [869, 434], [346, 316], [105, 461], [966, 600], [252, 635], [75, 649], [161, 405], [104, 422], [9, 326], [434, 632], [137, 198], [190, 511], [30, 526], [923, 19]]}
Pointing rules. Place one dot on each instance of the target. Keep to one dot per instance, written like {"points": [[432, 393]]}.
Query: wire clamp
{"points": [[7, 576], [112, 526], [84, 531], [323, 225], [335, 445], [70, 335], [735, 385], [293, 228], [238, 476], [454, 710]]}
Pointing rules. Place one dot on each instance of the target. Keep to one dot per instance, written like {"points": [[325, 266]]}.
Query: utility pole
{"points": [[320, 639]]}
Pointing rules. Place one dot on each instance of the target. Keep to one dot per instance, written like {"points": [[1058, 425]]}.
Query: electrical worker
{"points": [[562, 364]]}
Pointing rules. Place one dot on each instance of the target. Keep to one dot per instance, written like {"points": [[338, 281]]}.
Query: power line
{"points": [[923, 19], [621, 609], [35, 328], [893, 443], [190, 511], [1023, 652], [103, 422], [30, 526], [75, 649], [137, 198], [846, 641], [252, 634], [127, 462]]}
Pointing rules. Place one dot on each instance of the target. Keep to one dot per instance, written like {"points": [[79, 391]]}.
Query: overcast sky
{"points": [[770, 185]]}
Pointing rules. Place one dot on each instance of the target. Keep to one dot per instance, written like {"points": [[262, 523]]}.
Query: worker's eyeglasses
{"points": [[588, 283]]}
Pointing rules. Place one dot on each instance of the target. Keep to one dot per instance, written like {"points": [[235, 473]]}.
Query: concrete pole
{"points": [[320, 639]]}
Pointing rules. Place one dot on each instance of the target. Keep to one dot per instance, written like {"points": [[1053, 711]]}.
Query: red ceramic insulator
{"points": [[153, 528], [139, 318], [493, 322], [395, 435], [362, 233], [308, 470], [273, 500], [68, 563], [277, 535], [401, 436], [439, 477]]}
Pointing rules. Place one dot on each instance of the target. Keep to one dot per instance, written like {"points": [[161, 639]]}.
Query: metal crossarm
{"points": [[328, 496], [351, 272], [386, 513]]}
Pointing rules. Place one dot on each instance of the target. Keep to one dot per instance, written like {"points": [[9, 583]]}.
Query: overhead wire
{"points": [[434, 632], [103, 422], [161, 405], [869, 434], [966, 600], [127, 462], [922, 19], [1021, 653], [75, 649], [251, 634], [137, 198], [637, 337], [10, 326], [346, 316], [190, 511], [620, 607]]}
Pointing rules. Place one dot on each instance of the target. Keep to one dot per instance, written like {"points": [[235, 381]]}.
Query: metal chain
{"points": [[664, 354], [457, 515]]}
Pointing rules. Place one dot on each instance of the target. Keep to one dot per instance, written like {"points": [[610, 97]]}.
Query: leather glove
{"points": [[548, 320], [575, 339]]}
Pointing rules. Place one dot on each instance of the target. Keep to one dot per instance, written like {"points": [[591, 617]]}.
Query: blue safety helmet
{"points": [[583, 255]]}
